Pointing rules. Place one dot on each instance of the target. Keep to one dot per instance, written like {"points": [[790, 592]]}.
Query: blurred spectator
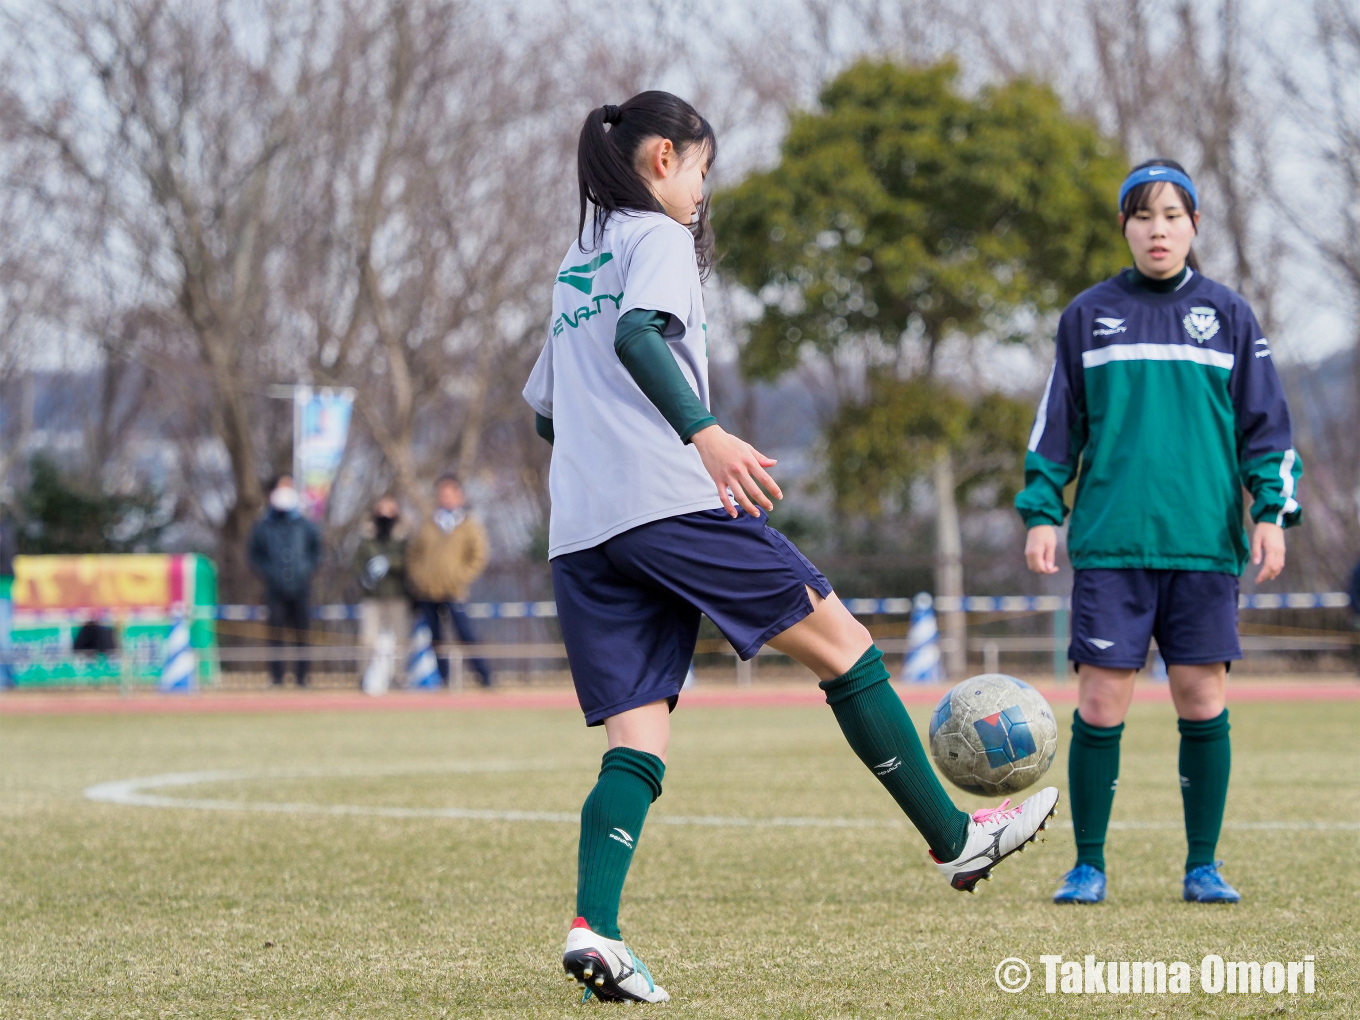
{"points": [[94, 637], [380, 563], [285, 550], [7, 551], [1354, 590], [446, 556]]}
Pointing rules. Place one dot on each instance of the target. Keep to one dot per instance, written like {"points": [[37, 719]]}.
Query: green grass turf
{"points": [[115, 911]]}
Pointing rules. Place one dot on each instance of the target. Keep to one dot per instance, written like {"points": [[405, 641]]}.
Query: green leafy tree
{"points": [[60, 516], [877, 449], [903, 212]]}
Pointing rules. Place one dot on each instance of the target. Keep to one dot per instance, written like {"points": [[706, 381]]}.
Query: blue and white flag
{"points": [[922, 662], [422, 669], [179, 664]]}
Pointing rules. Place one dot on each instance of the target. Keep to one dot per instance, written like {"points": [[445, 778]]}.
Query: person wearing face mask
{"points": [[446, 556], [285, 550], [380, 564]]}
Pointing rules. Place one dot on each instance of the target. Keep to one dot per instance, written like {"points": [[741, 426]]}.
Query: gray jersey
{"points": [[616, 462]]}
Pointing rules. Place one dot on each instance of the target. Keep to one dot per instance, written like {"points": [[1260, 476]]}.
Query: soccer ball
{"points": [[993, 734]]}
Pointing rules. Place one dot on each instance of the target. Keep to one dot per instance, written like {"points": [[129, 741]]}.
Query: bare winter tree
{"points": [[1323, 98], [428, 159], [342, 194], [208, 198], [164, 131]]}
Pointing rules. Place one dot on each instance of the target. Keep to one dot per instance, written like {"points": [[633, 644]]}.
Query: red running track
{"points": [[16, 703]]}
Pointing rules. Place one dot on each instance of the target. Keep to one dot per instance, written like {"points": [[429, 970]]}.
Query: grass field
{"points": [[123, 911]]}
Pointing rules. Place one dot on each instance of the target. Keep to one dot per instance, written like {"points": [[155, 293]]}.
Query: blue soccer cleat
{"points": [[1205, 885], [1083, 884]]}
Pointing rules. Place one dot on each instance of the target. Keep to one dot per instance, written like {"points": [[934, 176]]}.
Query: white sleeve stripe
{"points": [[1041, 416], [1287, 486]]}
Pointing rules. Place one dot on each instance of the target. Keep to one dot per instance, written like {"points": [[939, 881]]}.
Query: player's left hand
{"points": [[736, 467], [1267, 549]]}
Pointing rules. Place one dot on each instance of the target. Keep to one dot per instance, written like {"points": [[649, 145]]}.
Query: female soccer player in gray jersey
{"points": [[658, 516], [1164, 392]]}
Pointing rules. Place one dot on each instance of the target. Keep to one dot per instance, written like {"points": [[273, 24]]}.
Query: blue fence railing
{"points": [[860, 607]]}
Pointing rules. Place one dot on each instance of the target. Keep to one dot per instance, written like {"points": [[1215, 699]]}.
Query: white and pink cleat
{"points": [[996, 833]]}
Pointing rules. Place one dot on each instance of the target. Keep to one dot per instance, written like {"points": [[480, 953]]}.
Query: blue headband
{"points": [[1149, 174]]}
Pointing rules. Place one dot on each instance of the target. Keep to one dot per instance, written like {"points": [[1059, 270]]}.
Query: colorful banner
{"points": [[100, 582], [320, 428], [138, 597]]}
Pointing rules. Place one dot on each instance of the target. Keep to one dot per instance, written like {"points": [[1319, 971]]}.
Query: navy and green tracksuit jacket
{"points": [[1164, 406]]}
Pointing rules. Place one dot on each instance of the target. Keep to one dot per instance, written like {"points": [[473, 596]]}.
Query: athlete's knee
{"points": [[1101, 713], [858, 635], [1104, 697], [847, 629], [643, 729]]}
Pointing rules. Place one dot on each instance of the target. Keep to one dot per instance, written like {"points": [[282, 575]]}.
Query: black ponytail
{"points": [[1140, 198], [606, 162]]}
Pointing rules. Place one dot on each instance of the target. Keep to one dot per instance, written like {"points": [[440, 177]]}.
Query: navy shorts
{"points": [[1191, 613], [629, 607]]}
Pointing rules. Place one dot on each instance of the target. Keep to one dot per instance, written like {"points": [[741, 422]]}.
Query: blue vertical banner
{"points": [[320, 429], [422, 668], [922, 664], [179, 664]]}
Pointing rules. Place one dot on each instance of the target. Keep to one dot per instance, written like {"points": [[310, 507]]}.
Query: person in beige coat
{"points": [[447, 555]]}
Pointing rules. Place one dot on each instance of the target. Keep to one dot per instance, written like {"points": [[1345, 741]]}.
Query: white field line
{"points": [[132, 793]]}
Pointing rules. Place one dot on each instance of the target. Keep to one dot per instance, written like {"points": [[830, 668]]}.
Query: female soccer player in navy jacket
{"points": [[658, 515], [1164, 404]]}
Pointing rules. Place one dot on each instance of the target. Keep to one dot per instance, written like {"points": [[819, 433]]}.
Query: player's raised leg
{"points": [[840, 650]]}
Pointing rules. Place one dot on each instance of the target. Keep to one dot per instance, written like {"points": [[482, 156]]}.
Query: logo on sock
{"points": [[622, 837], [1185, 781], [888, 766]]}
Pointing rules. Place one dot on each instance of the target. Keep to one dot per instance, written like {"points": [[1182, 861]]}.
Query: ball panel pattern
{"points": [[993, 734]]}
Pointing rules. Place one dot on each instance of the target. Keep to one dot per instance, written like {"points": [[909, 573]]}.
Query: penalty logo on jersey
{"points": [[1201, 323], [583, 277]]}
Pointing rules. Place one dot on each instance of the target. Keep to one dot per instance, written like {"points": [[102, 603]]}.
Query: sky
{"points": [[1318, 318]]}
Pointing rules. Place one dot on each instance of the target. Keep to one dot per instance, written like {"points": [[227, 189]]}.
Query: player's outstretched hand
{"points": [[735, 464], [1267, 549], [1041, 549]]}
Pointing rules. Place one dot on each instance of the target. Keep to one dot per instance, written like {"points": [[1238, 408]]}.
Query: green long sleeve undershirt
{"points": [[641, 347], [1152, 284], [544, 427]]}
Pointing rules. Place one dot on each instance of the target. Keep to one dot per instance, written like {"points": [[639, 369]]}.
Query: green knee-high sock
{"points": [[1206, 760], [1092, 775], [611, 822], [878, 728]]}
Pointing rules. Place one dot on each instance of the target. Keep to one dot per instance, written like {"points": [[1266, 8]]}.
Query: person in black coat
{"points": [[285, 550], [1354, 590]]}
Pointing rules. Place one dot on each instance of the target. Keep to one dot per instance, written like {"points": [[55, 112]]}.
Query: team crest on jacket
{"points": [[1201, 323]]}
